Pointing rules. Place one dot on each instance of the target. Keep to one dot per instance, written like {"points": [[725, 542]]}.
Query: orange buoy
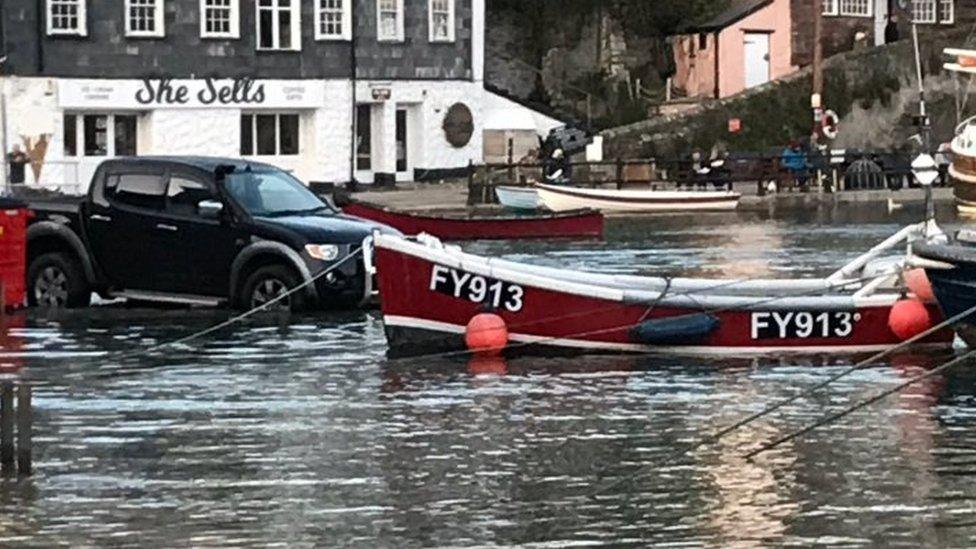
{"points": [[908, 318], [486, 334], [918, 282]]}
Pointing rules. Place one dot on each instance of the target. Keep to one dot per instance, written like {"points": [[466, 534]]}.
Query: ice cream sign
{"points": [[169, 93]]}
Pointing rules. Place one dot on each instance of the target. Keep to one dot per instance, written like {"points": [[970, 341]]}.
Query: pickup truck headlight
{"points": [[322, 252]]}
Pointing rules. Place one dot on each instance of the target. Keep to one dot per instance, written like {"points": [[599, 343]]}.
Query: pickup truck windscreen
{"points": [[272, 193]]}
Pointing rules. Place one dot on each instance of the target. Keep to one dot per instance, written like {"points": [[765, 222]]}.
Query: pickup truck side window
{"points": [[141, 190], [185, 194]]}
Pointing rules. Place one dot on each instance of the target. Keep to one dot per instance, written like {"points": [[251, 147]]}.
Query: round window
{"points": [[458, 125]]}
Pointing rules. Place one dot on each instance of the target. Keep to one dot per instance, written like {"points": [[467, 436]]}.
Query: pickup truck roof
{"points": [[207, 163]]}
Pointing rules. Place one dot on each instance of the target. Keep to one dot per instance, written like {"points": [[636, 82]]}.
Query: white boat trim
{"points": [[430, 249], [558, 199], [446, 327]]}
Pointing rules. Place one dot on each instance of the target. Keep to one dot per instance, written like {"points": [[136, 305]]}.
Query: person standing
{"points": [[17, 161], [891, 29]]}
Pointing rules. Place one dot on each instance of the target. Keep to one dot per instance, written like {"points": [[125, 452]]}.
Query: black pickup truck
{"points": [[196, 230]]}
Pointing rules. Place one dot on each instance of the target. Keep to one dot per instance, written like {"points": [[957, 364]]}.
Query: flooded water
{"points": [[300, 432]]}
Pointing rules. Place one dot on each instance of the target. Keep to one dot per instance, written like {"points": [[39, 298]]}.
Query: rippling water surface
{"points": [[299, 432]]}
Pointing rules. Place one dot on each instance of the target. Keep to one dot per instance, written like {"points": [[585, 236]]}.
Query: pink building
{"points": [[746, 45]]}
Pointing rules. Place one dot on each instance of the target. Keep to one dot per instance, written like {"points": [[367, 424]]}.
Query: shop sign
{"points": [[381, 94], [168, 93]]}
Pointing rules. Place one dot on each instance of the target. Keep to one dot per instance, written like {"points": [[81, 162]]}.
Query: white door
{"points": [[756, 58]]}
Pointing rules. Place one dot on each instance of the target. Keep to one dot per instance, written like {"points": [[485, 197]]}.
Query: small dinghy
{"points": [[573, 224], [518, 198], [430, 292], [559, 198]]}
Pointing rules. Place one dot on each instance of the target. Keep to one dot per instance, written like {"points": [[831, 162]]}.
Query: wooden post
{"points": [[471, 189], [817, 47], [7, 427], [24, 426], [510, 153], [620, 173]]}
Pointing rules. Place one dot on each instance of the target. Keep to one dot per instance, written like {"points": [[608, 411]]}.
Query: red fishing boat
{"points": [[430, 292], [575, 224]]}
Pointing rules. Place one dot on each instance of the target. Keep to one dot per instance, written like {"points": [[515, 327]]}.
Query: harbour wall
{"points": [[873, 90]]}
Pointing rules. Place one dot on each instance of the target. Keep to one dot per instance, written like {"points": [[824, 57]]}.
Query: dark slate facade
{"points": [[107, 53]]}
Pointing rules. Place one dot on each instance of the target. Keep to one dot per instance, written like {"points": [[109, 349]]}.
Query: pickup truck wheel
{"points": [[270, 282], [56, 280]]}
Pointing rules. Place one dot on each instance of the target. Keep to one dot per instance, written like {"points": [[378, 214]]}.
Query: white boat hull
{"points": [[518, 198], [560, 199]]}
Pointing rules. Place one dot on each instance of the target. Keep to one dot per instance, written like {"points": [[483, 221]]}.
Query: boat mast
{"points": [[923, 120]]}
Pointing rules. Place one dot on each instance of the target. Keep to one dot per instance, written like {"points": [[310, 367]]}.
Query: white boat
{"points": [[962, 171], [518, 198], [559, 199]]}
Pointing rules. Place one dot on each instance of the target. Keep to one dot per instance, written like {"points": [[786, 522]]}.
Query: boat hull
{"points": [[954, 288], [427, 303], [518, 198], [560, 199], [577, 224], [962, 172]]}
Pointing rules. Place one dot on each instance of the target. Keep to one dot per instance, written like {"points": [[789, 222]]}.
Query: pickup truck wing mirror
{"points": [[210, 209]]}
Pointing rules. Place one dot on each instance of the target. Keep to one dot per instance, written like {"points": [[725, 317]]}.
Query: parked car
{"points": [[196, 230]]}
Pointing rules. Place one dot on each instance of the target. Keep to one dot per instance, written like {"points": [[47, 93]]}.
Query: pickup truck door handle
{"points": [[96, 217], [165, 227]]}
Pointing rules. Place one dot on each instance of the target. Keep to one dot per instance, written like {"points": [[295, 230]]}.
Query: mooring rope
{"points": [[240, 317], [861, 365], [866, 402]]}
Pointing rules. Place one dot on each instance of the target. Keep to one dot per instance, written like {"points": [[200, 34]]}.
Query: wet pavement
{"points": [[298, 431]]}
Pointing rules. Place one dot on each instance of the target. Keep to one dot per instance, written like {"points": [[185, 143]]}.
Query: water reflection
{"points": [[301, 432]]}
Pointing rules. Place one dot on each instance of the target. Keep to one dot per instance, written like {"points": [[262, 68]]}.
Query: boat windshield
{"points": [[267, 193]]}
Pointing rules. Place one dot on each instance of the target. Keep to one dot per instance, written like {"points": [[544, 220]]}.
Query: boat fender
{"points": [[677, 330], [908, 318]]}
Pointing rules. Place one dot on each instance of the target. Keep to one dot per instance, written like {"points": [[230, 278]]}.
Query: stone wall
{"points": [[872, 90]]}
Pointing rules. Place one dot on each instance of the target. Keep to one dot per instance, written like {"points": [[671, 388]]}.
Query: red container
{"points": [[13, 252]]}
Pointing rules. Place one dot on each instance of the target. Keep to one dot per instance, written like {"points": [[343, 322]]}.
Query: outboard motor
{"points": [[555, 152]]}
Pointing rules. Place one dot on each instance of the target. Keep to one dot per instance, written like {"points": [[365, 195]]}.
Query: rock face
{"points": [[874, 91]]}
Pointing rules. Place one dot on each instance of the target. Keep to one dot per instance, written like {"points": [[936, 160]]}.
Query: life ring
{"points": [[828, 124]]}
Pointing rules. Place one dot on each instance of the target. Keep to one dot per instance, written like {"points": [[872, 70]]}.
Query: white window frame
{"points": [[296, 26], [947, 15], [844, 8], [235, 20], [931, 8], [380, 37], [80, 30], [277, 116], [346, 21], [450, 21], [830, 7], [159, 18]]}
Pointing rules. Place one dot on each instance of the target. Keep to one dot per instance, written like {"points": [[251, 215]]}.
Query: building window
{"points": [[144, 18], [333, 19], [220, 19], [70, 135], [279, 24], [441, 20], [364, 137], [947, 12], [66, 17], [269, 134], [100, 135], [923, 11], [856, 8], [389, 13], [830, 7]]}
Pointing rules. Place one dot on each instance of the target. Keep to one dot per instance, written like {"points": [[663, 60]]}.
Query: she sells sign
{"points": [[168, 93]]}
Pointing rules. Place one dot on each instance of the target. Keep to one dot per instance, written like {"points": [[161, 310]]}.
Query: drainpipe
{"points": [[354, 68], [718, 90]]}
